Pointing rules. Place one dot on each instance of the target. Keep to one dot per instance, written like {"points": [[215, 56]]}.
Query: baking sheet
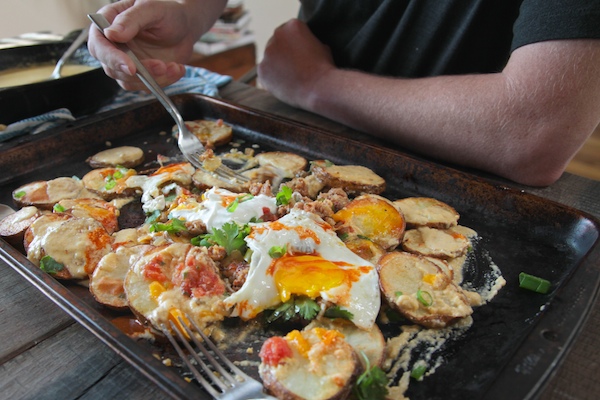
{"points": [[515, 341]]}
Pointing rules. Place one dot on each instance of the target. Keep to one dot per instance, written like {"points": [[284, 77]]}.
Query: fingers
{"points": [[129, 20], [164, 74]]}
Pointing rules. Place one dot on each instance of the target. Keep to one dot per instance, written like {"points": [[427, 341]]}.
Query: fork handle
{"points": [[102, 23]]}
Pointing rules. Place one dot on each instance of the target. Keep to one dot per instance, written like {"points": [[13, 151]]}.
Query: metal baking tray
{"points": [[516, 340]]}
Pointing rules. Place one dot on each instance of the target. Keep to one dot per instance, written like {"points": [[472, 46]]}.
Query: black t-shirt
{"points": [[415, 38]]}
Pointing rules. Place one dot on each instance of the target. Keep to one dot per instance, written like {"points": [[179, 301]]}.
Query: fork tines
{"points": [[222, 171], [219, 376]]}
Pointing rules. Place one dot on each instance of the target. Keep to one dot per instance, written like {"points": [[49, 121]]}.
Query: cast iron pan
{"points": [[82, 94]]}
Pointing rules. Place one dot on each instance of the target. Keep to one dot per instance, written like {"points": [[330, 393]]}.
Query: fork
{"points": [[190, 146], [221, 378]]}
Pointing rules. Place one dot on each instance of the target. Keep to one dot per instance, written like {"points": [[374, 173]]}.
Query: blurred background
{"points": [[63, 16]]}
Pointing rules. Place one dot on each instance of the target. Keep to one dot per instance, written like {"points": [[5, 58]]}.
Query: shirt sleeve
{"points": [[541, 20]]}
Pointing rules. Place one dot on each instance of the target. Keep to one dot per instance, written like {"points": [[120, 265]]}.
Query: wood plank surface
{"points": [[587, 161], [20, 322]]}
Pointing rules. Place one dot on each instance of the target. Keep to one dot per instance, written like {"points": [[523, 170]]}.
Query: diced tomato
{"points": [[153, 270], [198, 280], [268, 215], [274, 350]]}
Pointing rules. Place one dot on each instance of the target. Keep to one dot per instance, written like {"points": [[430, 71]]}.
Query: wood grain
{"points": [[587, 161]]}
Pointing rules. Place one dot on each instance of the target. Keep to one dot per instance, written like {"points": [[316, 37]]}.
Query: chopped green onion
{"points": [[235, 203], [58, 208], [110, 183], [418, 371], [174, 226], [533, 283], [19, 194], [398, 293], [277, 251], [152, 217], [424, 298]]}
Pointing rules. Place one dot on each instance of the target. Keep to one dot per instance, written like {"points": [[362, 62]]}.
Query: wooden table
{"points": [[235, 62], [47, 355]]}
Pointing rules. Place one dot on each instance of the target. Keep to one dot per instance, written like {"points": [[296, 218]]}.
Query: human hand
{"points": [[160, 33], [294, 61]]}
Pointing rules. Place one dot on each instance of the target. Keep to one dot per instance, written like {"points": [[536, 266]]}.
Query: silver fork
{"points": [[221, 378], [190, 146]]}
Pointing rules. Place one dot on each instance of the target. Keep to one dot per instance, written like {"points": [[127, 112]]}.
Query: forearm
{"points": [[424, 115], [507, 123]]}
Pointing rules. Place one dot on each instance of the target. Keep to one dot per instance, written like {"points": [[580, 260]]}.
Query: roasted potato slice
{"points": [[75, 245], [308, 186], [421, 291], [110, 182], [13, 226], [172, 280], [107, 281], [369, 342], [365, 248], [45, 194], [205, 180], [354, 179], [288, 164], [441, 243], [314, 364], [123, 156], [100, 210], [427, 211], [210, 133], [372, 217]]}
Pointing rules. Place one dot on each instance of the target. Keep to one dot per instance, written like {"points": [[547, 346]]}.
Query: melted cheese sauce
{"points": [[39, 73]]}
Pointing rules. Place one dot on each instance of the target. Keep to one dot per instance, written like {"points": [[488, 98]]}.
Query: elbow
{"points": [[540, 164], [536, 177]]}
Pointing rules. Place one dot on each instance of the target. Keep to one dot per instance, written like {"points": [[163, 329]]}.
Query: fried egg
{"points": [[160, 183], [315, 263], [221, 206]]}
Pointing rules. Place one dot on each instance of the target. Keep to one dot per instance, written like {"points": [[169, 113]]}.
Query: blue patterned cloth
{"points": [[196, 80]]}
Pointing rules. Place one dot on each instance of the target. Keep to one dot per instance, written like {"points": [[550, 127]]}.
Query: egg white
{"points": [[213, 212], [259, 292]]}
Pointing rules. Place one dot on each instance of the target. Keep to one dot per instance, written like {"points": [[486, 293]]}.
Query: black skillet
{"points": [[82, 94]]}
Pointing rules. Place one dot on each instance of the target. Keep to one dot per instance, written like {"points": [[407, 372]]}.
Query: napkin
{"points": [[196, 80]]}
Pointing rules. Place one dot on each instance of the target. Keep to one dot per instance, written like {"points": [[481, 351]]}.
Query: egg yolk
{"points": [[309, 275]]}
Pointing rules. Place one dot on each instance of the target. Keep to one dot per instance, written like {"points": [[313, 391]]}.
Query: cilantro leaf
{"points": [[285, 311], [284, 196], [306, 307], [303, 307], [50, 265], [230, 236], [371, 384], [337, 312]]}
